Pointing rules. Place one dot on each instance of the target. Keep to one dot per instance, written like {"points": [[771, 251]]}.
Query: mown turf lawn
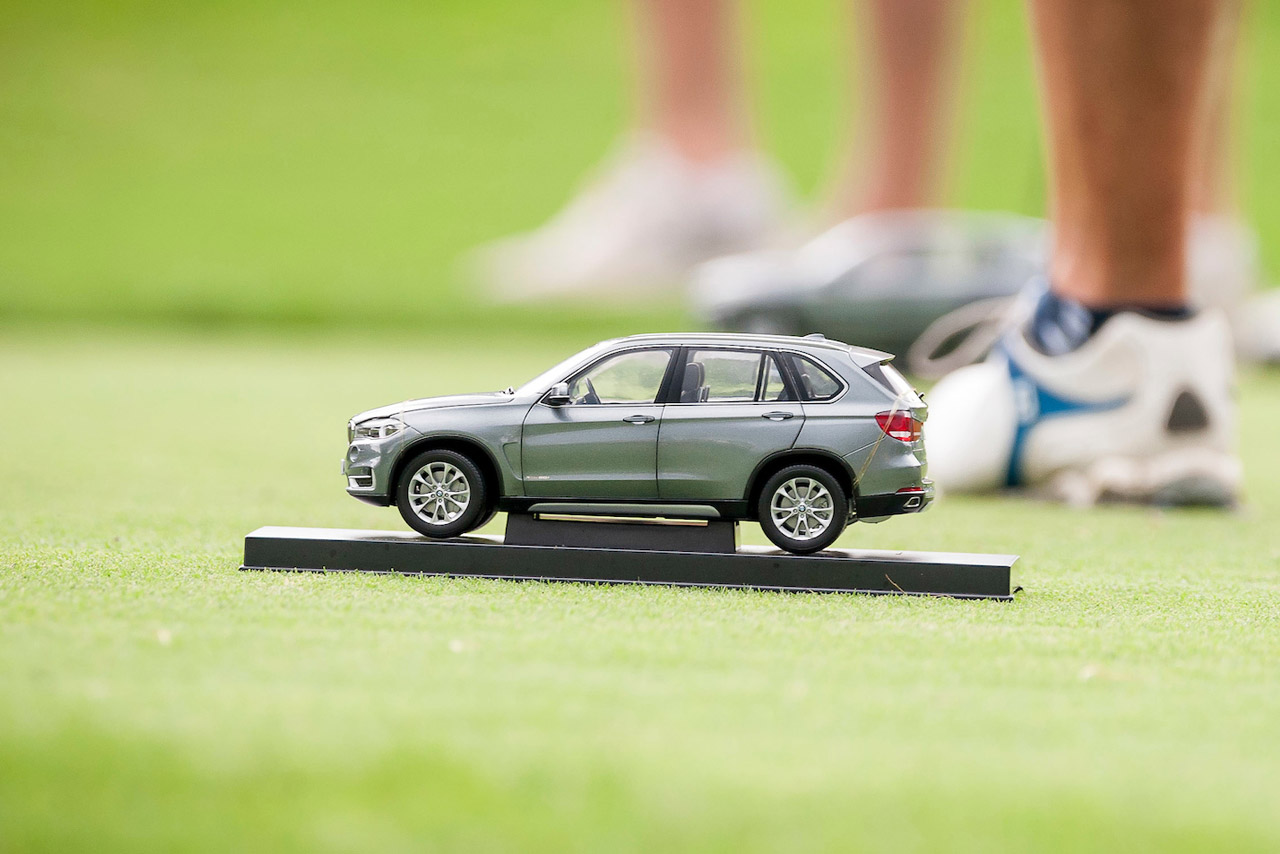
{"points": [[152, 697]]}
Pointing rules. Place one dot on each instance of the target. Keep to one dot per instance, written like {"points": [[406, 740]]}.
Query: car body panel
{"points": [[707, 451], [591, 451], [887, 466], [434, 403]]}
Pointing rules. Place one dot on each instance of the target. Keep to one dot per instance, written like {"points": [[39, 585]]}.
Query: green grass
{"points": [[152, 697]]}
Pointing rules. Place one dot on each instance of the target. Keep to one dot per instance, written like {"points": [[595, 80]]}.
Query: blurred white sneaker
{"points": [[639, 225], [1141, 411], [1224, 270], [1257, 328]]}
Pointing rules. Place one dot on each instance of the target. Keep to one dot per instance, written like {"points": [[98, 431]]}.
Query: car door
{"points": [[734, 408], [603, 444]]}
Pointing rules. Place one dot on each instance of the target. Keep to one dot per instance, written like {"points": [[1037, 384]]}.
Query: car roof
{"points": [[862, 356]]}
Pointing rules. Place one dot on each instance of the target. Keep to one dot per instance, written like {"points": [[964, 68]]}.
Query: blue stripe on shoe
{"points": [[1034, 403]]}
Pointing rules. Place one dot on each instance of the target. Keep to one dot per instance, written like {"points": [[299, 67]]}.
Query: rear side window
{"points": [[816, 382], [731, 376]]}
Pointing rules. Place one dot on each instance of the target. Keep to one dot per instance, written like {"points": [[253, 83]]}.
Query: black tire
{"points": [[789, 483], [461, 473]]}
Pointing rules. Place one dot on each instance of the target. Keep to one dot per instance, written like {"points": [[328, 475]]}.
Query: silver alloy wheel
{"points": [[801, 508], [439, 493]]}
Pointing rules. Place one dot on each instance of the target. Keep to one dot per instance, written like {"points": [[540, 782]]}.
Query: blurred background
{"points": [[276, 162], [227, 226]]}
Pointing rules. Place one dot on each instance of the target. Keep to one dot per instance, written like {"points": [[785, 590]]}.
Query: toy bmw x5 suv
{"points": [[802, 435]]}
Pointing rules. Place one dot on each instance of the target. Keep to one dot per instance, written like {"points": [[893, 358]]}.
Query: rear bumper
{"points": [[911, 499]]}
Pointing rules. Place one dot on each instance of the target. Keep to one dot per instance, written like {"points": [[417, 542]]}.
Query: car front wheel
{"points": [[802, 509], [442, 494]]}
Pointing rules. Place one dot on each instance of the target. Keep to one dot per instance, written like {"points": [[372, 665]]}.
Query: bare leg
{"points": [[1124, 88], [690, 75], [908, 76], [1213, 189]]}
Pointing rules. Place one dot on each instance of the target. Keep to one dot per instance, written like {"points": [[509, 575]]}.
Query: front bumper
{"points": [[911, 499], [368, 467]]}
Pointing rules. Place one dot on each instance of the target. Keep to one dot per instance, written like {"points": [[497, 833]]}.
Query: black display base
{"points": [[971, 576], [603, 532]]}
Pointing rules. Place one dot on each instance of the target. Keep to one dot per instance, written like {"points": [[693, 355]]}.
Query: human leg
{"points": [[689, 75], [907, 75], [1125, 88]]}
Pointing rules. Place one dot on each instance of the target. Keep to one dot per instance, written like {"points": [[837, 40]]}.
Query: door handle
{"points": [[638, 419], [778, 416]]}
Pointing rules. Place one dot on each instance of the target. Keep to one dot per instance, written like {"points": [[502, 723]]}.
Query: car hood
{"points": [[445, 402]]}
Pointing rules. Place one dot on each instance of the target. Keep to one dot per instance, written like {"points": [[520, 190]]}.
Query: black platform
{"points": [[974, 576], [703, 536]]}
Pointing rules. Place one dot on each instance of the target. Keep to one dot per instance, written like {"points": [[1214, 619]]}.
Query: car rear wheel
{"points": [[442, 494], [802, 509]]}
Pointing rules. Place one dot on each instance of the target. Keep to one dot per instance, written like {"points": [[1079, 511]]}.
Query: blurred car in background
{"points": [[879, 279]]}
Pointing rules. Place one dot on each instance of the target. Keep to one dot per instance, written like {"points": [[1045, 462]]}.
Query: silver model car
{"points": [[802, 435]]}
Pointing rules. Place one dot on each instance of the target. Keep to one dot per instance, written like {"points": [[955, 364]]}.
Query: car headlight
{"points": [[377, 428]]}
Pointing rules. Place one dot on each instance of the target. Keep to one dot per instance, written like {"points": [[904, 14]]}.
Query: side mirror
{"points": [[558, 395]]}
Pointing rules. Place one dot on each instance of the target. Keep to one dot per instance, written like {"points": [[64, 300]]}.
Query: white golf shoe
{"points": [[638, 226], [1141, 411], [1225, 271]]}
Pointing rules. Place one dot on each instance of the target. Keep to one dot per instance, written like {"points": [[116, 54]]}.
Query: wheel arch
{"points": [[467, 446], [826, 460]]}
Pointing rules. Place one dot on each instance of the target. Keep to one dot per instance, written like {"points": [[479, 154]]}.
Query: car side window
{"points": [[632, 377], [731, 376], [816, 382], [721, 376]]}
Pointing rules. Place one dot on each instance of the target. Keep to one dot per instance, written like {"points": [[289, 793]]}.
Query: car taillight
{"points": [[900, 425]]}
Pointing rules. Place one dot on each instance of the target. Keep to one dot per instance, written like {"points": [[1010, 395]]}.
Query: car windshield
{"points": [[558, 372]]}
